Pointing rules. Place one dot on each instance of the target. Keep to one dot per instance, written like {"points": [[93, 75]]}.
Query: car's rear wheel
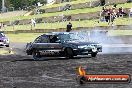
{"points": [[69, 53], [36, 55], [94, 54]]}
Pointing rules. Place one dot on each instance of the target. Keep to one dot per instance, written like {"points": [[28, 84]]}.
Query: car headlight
{"points": [[82, 46], [91, 46], [6, 40]]}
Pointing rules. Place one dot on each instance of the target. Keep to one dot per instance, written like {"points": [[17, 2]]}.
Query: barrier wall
{"points": [[118, 27]]}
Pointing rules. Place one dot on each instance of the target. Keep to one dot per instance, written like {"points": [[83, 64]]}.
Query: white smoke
{"points": [[110, 44]]}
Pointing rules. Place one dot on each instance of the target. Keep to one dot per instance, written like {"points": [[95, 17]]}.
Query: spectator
{"points": [[33, 22], [130, 14], [107, 16], [69, 27], [115, 5], [121, 12], [103, 14], [0, 25], [113, 15]]}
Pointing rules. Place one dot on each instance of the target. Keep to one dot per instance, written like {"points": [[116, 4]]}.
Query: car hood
{"points": [[81, 43]]}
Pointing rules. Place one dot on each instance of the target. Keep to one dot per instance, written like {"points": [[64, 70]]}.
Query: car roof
{"points": [[57, 33]]}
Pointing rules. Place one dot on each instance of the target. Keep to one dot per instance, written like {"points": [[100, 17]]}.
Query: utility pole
{"points": [[3, 6]]}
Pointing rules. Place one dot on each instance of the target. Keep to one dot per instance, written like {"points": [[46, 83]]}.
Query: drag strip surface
{"points": [[22, 72]]}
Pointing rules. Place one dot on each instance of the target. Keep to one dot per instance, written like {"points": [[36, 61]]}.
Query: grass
{"points": [[69, 12], [5, 52], [119, 32], [29, 37], [23, 37], [83, 23]]}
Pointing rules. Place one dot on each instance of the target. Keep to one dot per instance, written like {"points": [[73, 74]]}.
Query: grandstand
{"points": [[55, 16]]}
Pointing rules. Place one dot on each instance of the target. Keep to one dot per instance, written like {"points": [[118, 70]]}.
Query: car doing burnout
{"points": [[4, 41], [61, 44]]}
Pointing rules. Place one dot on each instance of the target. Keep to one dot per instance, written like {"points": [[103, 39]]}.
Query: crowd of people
{"points": [[110, 14]]}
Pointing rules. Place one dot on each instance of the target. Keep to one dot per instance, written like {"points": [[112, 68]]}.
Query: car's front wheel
{"points": [[94, 54], [36, 55]]}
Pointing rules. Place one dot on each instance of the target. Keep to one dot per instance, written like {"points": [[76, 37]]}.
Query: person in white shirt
{"points": [[130, 14], [33, 22]]}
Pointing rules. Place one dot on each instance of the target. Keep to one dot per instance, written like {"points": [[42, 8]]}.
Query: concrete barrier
{"points": [[85, 5], [52, 19], [74, 6], [121, 27]]}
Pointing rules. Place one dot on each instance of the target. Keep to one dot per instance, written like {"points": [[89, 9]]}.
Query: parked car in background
{"points": [[4, 41], [61, 44]]}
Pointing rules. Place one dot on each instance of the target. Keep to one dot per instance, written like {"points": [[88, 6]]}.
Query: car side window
{"points": [[44, 39], [53, 39], [2, 35], [37, 40]]}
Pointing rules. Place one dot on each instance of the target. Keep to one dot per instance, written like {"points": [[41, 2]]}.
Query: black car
{"points": [[61, 44]]}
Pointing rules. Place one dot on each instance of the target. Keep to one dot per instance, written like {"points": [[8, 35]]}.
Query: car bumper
{"points": [[3, 44], [86, 51]]}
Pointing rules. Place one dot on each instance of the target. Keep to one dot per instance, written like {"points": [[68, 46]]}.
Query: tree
{"points": [[21, 3], [0, 4]]}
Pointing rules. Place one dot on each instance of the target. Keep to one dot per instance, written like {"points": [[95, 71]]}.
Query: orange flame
{"points": [[81, 71]]}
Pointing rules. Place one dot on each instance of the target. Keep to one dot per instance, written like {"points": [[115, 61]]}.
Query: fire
{"points": [[81, 71]]}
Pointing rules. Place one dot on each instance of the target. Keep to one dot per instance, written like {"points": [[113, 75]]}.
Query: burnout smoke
{"points": [[111, 44]]}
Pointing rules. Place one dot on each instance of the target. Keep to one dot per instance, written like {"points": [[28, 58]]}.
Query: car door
{"points": [[41, 43], [54, 45], [48, 45]]}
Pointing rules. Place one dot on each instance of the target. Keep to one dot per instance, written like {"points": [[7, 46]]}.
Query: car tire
{"points": [[68, 53], [36, 55], [7, 45], [94, 54]]}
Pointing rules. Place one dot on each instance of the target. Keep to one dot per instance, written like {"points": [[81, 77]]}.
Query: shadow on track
{"points": [[51, 59]]}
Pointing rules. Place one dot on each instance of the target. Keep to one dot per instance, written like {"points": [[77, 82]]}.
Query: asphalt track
{"points": [[20, 71]]}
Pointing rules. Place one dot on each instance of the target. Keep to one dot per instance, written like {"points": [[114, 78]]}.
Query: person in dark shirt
{"points": [[115, 5], [69, 27]]}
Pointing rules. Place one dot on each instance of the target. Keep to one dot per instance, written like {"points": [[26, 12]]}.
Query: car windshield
{"points": [[2, 35], [74, 36]]}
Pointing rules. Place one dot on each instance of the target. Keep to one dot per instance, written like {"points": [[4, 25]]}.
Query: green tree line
{"points": [[17, 4]]}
